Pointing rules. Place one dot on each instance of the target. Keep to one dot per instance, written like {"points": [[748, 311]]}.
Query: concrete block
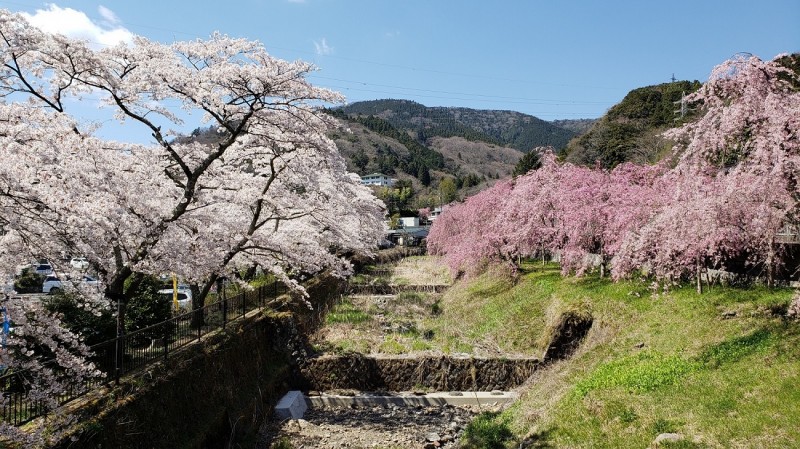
{"points": [[291, 406], [458, 398]]}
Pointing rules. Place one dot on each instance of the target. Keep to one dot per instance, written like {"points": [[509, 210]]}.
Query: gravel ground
{"points": [[387, 427]]}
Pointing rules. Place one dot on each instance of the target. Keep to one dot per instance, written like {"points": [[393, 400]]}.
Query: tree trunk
{"points": [[543, 262], [199, 295], [115, 291], [770, 264], [602, 265], [197, 305], [699, 279]]}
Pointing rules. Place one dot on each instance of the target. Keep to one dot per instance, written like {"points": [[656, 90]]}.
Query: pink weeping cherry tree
{"points": [[579, 213], [466, 232], [736, 181], [732, 190]]}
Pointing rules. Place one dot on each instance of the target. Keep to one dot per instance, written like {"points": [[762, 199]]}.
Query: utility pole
{"points": [[673, 78]]}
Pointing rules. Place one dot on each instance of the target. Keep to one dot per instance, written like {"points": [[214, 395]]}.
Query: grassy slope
{"points": [[650, 364]]}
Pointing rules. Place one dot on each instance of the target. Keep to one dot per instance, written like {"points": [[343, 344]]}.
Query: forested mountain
{"points": [[454, 164], [631, 129], [506, 128]]}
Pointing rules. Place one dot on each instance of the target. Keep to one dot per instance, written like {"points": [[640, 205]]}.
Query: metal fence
{"points": [[133, 351]]}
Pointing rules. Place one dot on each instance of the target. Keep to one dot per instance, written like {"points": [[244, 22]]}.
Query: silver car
{"points": [[52, 284]]}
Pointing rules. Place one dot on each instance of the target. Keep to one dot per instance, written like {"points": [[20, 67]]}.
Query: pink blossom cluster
{"points": [[723, 199]]}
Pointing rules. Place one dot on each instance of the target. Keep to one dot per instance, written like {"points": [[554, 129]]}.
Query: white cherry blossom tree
{"points": [[271, 191]]}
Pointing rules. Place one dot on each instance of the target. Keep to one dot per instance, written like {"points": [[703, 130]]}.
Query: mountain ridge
{"points": [[500, 127]]}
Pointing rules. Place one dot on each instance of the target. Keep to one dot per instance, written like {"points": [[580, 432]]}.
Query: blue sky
{"points": [[552, 59]]}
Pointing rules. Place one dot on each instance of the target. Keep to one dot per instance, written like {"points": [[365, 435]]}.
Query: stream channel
{"points": [[371, 383]]}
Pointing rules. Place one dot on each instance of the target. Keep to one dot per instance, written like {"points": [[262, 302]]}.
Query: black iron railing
{"points": [[133, 351]]}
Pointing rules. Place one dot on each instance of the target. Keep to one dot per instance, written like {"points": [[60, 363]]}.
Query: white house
{"points": [[377, 179], [435, 213], [409, 222]]}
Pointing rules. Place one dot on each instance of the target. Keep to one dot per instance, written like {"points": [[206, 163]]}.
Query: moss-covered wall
{"points": [[212, 390]]}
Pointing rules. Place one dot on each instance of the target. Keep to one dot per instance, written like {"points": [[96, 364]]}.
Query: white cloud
{"points": [[391, 34], [77, 25], [297, 1], [322, 47], [109, 15]]}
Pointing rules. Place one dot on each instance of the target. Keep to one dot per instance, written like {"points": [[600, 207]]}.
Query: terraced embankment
{"points": [[385, 337]]}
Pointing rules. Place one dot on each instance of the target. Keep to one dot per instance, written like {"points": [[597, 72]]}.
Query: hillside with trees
{"points": [[430, 149], [630, 131], [506, 128]]}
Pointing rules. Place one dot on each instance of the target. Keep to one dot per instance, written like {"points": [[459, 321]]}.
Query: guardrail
{"points": [[133, 351]]}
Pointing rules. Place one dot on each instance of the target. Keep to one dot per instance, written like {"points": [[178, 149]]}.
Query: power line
{"points": [[542, 101]]}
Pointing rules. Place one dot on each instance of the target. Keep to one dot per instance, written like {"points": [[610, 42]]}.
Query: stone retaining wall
{"points": [[392, 289], [210, 394], [358, 372]]}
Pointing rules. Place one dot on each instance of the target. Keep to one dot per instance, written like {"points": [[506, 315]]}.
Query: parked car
{"points": [[43, 268], [79, 263], [52, 284], [184, 296]]}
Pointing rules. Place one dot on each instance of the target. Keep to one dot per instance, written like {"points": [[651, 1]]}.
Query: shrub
{"points": [[93, 328], [29, 282], [147, 307]]}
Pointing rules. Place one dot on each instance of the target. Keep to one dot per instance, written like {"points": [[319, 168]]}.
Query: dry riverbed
{"points": [[386, 427], [373, 324]]}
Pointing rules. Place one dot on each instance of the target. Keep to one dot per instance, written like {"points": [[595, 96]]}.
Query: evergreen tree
{"points": [[531, 161], [424, 175]]}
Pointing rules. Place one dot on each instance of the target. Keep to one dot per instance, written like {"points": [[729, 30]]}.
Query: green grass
{"points": [[489, 430], [722, 368], [346, 312], [393, 345], [637, 373]]}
